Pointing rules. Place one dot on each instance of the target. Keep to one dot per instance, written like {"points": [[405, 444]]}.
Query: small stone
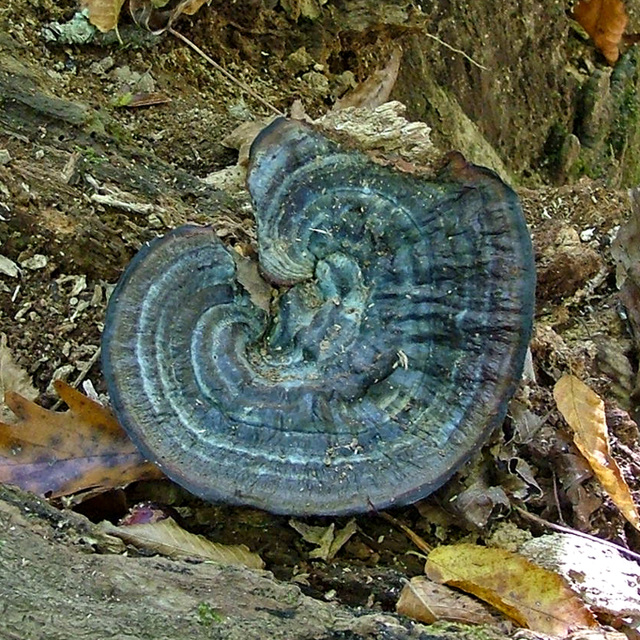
{"points": [[587, 234], [61, 373], [299, 60], [5, 157], [8, 267], [102, 66], [318, 83], [35, 262], [39, 154]]}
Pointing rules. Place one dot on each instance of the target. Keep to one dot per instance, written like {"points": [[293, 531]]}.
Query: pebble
{"points": [[587, 234], [8, 267], [35, 262], [5, 157], [102, 66]]}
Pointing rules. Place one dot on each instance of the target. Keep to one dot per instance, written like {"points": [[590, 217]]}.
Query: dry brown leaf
{"points": [[103, 14], [376, 89], [158, 18], [583, 409], [605, 22], [327, 539], [252, 282], [428, 602], [143, 99], [168, 538], [535, 598], [59, 453], [192, 6]]}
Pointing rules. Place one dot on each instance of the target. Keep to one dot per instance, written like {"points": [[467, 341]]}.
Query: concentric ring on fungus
{"points": [[396, 341]]}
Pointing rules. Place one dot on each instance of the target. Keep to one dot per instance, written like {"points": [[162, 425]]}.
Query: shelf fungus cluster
{"points": [[390, 352]]}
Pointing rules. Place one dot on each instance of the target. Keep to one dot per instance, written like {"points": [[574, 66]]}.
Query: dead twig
{"points": [[462, 53], [412, 535], [246, 88], [562, 529], [81, 376]]}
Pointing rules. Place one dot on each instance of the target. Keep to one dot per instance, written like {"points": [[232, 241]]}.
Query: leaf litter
{"points": [[427, 601]]}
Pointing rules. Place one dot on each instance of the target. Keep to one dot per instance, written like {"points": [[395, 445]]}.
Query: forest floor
{"points": [[70, 246]]}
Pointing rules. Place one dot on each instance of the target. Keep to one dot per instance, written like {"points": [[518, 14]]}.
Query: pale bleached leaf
{"points": [[12, 378], [427, 601], [169, 539]]}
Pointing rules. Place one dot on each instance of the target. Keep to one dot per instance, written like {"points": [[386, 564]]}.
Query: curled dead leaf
{"points": [[158, 18], [376, 89]]}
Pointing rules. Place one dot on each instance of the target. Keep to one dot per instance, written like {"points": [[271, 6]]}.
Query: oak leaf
{"points": [[58, 453], [534, 597], [583, 409], [605, 22]]}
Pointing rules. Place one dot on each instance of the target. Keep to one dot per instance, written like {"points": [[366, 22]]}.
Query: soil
{"points": [[86, 180]]}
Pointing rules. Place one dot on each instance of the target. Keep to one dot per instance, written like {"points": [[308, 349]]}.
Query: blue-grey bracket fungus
{"points": [[395, 342]]}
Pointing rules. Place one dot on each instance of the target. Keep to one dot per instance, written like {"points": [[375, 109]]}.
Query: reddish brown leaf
{"points": [[376, 89], [605, 22], [59, 453], [145, 99]]}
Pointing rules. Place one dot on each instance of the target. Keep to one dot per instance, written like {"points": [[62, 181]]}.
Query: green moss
{"points": [[207, 615], [123, 100], [90, 155], [553, 146], [624, 136]]}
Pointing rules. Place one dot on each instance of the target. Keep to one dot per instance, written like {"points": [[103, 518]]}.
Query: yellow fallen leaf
{"points": [[103, 14], [534, 597], [583, 410], [168, 538]]}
